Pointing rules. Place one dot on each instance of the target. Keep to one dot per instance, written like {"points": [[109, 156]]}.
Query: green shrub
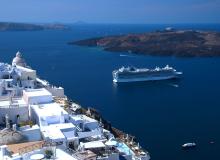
{"points": [[48, 154]]}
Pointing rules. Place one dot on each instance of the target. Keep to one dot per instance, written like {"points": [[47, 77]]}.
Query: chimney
{"points": [[14, 127], [7, 124]]}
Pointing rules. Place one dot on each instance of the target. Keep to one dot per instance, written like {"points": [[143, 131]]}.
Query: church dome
{"points": [[9, 136], [18, 60]]}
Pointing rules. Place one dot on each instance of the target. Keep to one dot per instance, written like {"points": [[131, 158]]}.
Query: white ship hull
{"points": [[120, 80]]}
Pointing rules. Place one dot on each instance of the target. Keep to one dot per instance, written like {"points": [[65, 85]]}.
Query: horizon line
{"points": [[116, 23]]}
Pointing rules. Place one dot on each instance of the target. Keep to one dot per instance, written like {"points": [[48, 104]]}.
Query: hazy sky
{"points": [[111, 11]]}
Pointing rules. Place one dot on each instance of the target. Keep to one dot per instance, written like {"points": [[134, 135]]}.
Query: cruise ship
{"points": [[132, 74], [37, 121]]}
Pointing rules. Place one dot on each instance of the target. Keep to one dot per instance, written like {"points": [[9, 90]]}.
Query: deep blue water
{"points": [[161, 115]]}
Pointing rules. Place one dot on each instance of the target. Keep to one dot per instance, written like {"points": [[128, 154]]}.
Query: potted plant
{"points": [[48, 154]]}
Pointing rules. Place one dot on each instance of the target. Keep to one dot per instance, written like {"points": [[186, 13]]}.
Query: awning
{"points": [[111, 143], [94, 144]]}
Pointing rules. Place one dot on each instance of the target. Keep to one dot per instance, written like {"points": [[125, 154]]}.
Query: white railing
{"points": [[13, 106]]}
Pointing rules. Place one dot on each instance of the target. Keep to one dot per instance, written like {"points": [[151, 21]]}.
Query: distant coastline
{"points": [[179, 43], [12, 26]]}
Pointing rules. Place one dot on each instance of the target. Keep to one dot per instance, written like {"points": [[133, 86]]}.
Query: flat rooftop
{"points": [[37, 92], [82, 117], [59, 131], [62, 155], [85, 155], [14, 102], [49, 109], [93, 144], [17, 148]]}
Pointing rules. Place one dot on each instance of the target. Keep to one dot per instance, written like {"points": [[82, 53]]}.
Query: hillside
{"points": [[183, 43]]}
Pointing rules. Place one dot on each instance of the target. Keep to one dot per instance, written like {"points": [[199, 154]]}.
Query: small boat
{"points": [[188, 145]]}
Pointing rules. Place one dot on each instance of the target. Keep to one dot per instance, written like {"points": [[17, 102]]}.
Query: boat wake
{"points": [[125, 55], [174, 85]]}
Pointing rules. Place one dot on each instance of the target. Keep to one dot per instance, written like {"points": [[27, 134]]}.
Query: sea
{"points": [[163, 115]]}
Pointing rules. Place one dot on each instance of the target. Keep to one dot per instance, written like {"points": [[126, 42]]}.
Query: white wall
{"points": [[13, 112], [57, 92], [1, 87], [2, 151], [91, 125], [26, 72], [31, 133], [28, 83], [113, 156], [37, 99], [40, 99]]}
